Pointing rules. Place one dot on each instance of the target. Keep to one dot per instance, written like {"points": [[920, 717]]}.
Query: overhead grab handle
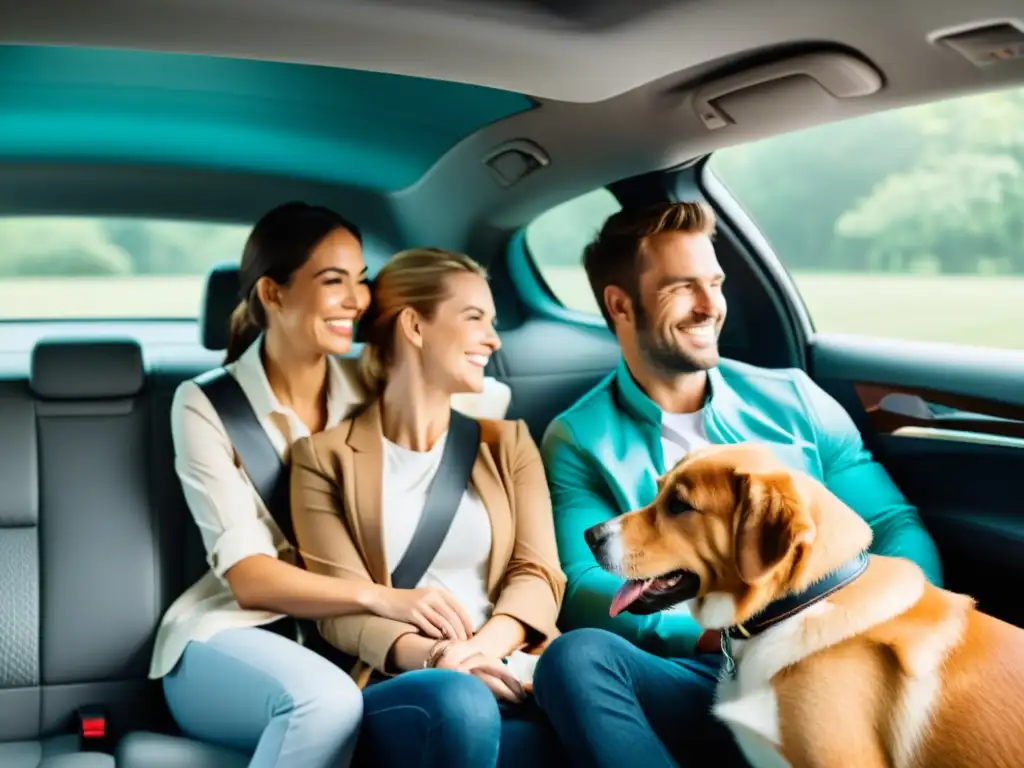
{"points": [[841, 75]]}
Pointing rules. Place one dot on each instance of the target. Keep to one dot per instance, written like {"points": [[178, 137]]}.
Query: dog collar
{"points": [[788, 606], [782, 609]]}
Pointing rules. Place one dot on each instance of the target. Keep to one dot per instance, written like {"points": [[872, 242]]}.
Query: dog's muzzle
{"points": [[603, 540], [597, 535]]}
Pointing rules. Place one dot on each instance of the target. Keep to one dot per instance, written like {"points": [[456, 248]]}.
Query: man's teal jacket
{"points": [[603, 457]]}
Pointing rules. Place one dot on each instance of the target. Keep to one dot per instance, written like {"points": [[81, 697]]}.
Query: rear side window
{"points": [[907, 224], [556, 239], [79, 268]]}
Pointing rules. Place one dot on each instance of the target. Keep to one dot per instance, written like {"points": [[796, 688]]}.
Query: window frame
{"points": [[533, 289], [753, 243]]}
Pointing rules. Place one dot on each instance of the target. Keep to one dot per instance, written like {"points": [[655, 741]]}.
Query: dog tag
{"points": [[729, 664]]}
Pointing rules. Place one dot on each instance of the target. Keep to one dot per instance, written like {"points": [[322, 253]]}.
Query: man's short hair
{"points": [[614, 256]]}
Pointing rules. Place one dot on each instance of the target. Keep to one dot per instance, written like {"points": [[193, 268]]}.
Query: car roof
{"points": [[375, 130], [586, 92], [583, 51]]}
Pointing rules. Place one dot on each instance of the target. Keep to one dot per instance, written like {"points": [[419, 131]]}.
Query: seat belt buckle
{"points": [[92, 729]]}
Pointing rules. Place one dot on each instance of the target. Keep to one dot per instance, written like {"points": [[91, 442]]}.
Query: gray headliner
{"points": [[614, 87]]}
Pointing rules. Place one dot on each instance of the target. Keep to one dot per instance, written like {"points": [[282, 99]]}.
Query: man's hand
{"points": [[710, 641]]}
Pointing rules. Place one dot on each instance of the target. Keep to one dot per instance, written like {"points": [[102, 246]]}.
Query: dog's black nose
{"points": [[595, 535]]}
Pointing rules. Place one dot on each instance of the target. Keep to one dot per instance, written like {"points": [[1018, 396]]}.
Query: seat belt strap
{"points": [[260, 460], [443, 498], [271, 478]]}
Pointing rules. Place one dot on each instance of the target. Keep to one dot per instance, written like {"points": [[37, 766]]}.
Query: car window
{"points": [[556, 239], [78, 267], [907, 224]]}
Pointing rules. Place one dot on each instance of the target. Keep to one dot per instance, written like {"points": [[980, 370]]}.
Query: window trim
{"points": [[69, 320], [745, 230], [100, 320], [528, 280]]}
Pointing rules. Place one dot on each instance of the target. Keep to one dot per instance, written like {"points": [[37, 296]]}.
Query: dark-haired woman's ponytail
{"points": [[243, 330]]}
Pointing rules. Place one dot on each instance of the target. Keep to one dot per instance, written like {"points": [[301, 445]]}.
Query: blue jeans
{"points": [[266, 696], [613, 704], [437, 717]]}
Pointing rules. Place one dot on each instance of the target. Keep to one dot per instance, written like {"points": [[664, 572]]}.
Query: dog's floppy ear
{"points": [[771, 522]]}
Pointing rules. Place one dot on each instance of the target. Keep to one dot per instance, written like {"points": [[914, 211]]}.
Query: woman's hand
{"points": [[431, 610], [464, 657]]}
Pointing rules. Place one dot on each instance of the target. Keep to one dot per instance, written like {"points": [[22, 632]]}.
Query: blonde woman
{"points": [[358, 492]]}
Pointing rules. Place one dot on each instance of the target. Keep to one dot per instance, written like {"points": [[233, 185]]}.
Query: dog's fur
{"points": [[888, 671]]}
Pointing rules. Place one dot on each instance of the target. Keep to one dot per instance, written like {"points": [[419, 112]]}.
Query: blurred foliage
{"points": [[59, 246], [936, 188]]}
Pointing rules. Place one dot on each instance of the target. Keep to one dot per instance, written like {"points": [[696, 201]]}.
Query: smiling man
{"points": [[658, 282]]}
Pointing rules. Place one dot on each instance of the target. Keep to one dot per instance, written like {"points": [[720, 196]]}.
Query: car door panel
{"points": [[948, 425]]}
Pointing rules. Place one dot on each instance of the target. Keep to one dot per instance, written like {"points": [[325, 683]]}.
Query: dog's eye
{"points": [[676, 506]]}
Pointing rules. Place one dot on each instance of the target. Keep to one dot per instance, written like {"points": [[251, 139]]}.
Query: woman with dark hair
{"points": [[232, 671]]}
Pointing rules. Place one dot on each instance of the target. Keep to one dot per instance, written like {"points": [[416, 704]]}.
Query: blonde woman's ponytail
{"points": [[371, 368]]}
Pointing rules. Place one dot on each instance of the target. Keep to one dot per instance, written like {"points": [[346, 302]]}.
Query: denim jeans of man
{"points": [[613, 704], [437, 717]]}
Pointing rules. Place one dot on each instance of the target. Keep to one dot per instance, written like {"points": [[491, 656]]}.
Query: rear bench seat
{"points": [[82, 585], [76, 552], [36, 726], [96, 540]]}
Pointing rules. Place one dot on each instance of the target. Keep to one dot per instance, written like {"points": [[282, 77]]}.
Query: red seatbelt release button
{"points": [[92, 729]]}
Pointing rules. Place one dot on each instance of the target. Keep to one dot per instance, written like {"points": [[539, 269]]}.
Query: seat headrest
{"points": [[222, 287], [86, 369]]}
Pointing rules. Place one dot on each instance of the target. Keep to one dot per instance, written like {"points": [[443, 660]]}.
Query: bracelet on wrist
{"points": [[436, 653]]}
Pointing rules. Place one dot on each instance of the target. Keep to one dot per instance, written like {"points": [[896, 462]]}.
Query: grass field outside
{"points": [[972, 310]]}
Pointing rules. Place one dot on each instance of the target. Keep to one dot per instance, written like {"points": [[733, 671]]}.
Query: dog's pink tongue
{"points": [[627, 594]]}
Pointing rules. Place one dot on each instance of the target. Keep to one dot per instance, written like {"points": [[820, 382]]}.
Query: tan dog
{"points": [[842, 659]]}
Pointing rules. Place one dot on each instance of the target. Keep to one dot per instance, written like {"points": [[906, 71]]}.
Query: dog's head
{"points": [[732, 528]]}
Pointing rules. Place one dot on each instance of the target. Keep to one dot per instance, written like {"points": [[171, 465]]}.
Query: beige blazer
{"points": [[336, 509]]}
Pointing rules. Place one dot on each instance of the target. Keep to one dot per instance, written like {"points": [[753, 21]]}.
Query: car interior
{"points": [[435, 122]]}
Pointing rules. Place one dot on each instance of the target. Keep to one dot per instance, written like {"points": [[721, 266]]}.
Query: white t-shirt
{"points": [[460, 565], [680, 434]]}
